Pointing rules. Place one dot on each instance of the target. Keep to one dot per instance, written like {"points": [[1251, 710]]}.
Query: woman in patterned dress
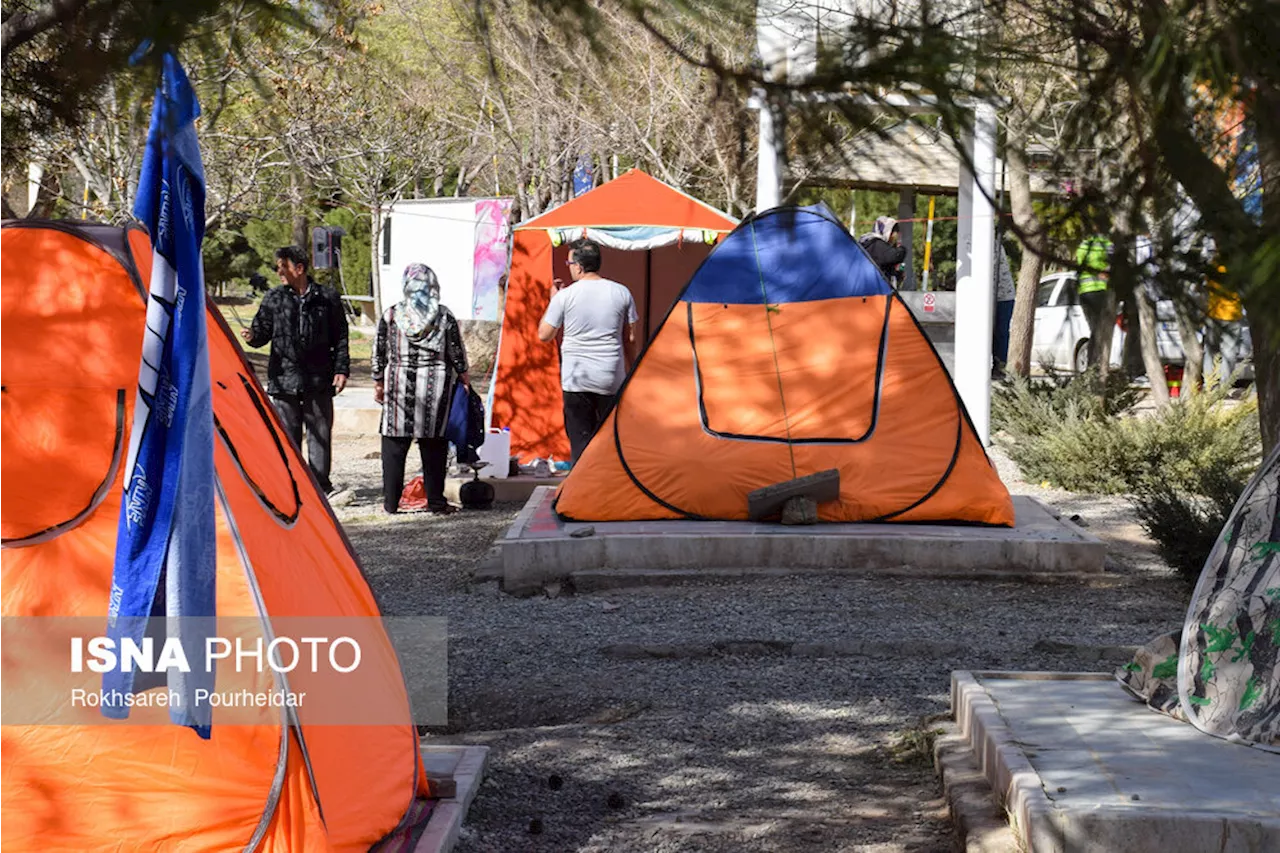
{"points": [[418, 360]]}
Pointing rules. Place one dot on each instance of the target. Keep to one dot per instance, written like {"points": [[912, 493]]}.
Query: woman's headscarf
{"points": [[884, 228], [421, 307]]}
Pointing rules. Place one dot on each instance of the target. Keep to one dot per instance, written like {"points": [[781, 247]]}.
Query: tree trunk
{"points": [[1266, 368], [375, 268], [1262, 326], [301, 230], [1150, 349], [300, 237], [1192, 349], [1035, 245]]}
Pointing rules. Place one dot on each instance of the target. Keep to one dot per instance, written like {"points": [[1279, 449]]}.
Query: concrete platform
{"points": [[355, 413], [540, 549], [1081, 767], [458, 771]]}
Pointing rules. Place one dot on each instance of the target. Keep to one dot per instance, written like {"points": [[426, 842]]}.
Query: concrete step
{"points": [[1080, 765], [980, 821], [589, 581]]}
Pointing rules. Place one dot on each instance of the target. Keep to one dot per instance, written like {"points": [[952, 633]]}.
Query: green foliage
{"points": [[1185, 522], [1031, 409], [229, 258], [1092, 443], [1183, 466], [57, 61], [264, 237], [1184, 509], [356, 251]]}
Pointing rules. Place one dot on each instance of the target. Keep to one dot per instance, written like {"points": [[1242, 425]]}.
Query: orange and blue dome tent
{"points": [[787, 355], [652, 238], [341, 772]]}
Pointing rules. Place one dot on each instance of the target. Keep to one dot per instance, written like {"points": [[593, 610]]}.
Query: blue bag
{"points": [[455, 428]]}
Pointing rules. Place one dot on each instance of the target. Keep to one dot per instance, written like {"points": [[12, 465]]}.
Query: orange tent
{"points": [[653, 237], [787, 354], [332, 774]]}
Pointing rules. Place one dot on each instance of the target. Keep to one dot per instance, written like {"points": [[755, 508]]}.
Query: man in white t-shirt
{"points": [[598, 318]]}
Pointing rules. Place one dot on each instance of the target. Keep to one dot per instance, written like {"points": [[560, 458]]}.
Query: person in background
{"points": [[1093, 257], [418, 361], [309, 363], [883, 244], [1005, 293], [1225, 331], [598, 317]]}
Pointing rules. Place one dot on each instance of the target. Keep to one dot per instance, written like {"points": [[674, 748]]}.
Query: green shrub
{"points": [[1041, 424], [1185, 524], [1183, 466], [1093, 443], [1034, 407]]}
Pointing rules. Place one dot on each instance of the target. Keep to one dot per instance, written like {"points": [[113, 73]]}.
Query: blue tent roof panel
{"points": [[786, 255]]}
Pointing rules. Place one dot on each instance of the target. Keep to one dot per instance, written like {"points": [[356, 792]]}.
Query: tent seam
{"points": [[773, 346]]}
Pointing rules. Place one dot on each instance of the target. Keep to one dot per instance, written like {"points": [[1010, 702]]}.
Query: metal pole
{"points": [[928, 245]]}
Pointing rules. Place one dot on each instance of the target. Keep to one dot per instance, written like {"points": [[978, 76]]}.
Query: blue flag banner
{"points": [[583, 176], [166, 553]]}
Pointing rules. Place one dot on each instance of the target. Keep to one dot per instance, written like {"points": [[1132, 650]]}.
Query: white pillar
{"points": [[768, 160], [975, 273]]}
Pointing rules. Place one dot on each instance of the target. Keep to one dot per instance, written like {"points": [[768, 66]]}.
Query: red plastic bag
{"points": [[414, 495]]}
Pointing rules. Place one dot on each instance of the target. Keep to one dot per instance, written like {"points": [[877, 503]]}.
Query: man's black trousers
{"points": [[583, 414], [315, 412]]}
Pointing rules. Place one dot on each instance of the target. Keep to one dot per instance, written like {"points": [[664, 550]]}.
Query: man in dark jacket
{"points": [[309, 362]]}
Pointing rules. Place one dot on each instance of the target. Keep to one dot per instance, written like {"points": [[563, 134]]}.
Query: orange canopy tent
{"points": [[340, 772], [652, 237], [787, 355]]}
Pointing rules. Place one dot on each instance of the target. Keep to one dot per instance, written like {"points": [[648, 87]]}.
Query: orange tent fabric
{"points": [[787, 354], [654, 237], [73, 317]]}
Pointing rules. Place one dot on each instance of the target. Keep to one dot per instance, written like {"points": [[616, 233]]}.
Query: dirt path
{"points": [[781, 715]]}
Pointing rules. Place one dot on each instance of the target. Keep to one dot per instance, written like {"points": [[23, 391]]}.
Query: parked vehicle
{"points": [[1060, 340]]}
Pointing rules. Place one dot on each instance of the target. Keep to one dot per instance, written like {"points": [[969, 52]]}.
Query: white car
{"points": [[1060, 340]]}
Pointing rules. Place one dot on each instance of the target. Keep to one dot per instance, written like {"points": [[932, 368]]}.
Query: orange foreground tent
{"points": [[788, 354], [324, 776], [652, 238]]}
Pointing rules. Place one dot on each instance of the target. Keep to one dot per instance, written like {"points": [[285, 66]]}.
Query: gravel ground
{"points": [[782, 714]]}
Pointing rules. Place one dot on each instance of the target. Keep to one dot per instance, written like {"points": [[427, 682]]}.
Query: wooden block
{"points": [[821, 487]]}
